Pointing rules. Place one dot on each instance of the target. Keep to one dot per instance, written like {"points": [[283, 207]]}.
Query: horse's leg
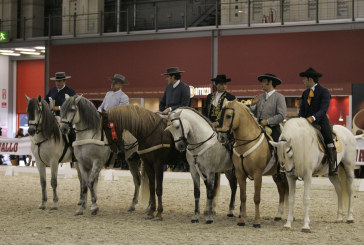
{"points": [[151, 177], [134, 170], [196, 192], [230, 175], [306, 201], [242, 184], [80, 180], [336, 182], [93, 185], [159, 177], [210, 180], [292, 189], [84, 177], [54, 172], [282, 187], [257, 189], [349, 184], [43, 184]]}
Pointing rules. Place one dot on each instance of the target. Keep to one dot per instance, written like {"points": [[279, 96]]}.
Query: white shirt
{"points": [[176, 84], [217, 97], [113, 99], [59, 89]]}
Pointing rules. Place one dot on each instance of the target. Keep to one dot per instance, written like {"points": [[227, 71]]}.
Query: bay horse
{"points": [[47, 145], [253, 156], [156, 146], [300, 155], [91, 148], [207, 157]]}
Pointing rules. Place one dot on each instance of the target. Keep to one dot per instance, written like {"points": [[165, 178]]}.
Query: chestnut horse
{"points": [[252, 153]]}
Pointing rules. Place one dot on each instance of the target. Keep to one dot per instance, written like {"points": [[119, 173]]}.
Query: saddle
{"points": [[321, 142]]}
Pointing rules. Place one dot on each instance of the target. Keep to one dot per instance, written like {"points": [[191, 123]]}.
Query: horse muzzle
{"points": [[181, 146], [31, 131], [65, 129], [222, 137]]}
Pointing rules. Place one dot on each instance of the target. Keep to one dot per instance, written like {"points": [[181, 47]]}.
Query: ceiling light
{"points": [[12, 54], [25, 49], [6, 51], [35, 53], [40, 47]]}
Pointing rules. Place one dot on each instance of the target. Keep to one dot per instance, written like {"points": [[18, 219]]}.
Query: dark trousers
{"points": [[276, 132], [326, 132]]}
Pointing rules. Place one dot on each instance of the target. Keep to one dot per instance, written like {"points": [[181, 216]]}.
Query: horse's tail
{"points": [[144, 193], [217, 186], [344, 186]]}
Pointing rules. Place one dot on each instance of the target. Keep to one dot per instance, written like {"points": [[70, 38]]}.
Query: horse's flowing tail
{"points": [[344, 187], [144, 193]]}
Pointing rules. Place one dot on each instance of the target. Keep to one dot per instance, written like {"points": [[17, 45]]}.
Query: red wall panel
{"points": [[141, 62], [30, 82], [338, 55]]}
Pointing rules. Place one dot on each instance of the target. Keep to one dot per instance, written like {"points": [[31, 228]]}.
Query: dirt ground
{"points": [[21, 222]]}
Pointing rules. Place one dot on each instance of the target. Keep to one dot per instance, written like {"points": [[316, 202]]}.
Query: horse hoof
{"points": [[209, 222], [350, 221], [41, 207], [149, 217], [94, 211], [277, 218], [286, 228], [195, 221], [241, 224], [131, 209], [158, 219], [79, 202], [306, 230], [54, 208], [256, 225], [230, 215], [78, 212]]}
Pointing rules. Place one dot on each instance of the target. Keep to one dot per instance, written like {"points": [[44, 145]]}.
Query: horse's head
{"points": [[34, 113], [229, 120], [179, 129], [284, 152], [69, 113]]}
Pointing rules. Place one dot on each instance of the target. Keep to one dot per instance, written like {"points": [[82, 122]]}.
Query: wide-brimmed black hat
{"points": [[310, 72], [270, 76], [119, 78], [60, 76], [172, 70], [220, 79]]}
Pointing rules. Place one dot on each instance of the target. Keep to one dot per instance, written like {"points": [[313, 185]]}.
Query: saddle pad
{"points": [[337, 142]]}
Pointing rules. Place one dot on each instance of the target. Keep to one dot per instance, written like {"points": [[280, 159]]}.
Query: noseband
{"points": [[184, 139]]}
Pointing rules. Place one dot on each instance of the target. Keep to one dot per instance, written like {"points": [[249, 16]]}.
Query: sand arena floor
{"points": [[23, 223]]}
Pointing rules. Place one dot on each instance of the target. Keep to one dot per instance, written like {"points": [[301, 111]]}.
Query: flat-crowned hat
{"points": [[172, 70], [310, 72], [60, 76], [220, 79], [119, 78], [270, 76]]}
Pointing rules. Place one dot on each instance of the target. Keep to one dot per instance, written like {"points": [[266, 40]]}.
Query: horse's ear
{"points": [[225, 102], [39, 98], [274, 144], [27, 98], [168, 127], [78, 98]]}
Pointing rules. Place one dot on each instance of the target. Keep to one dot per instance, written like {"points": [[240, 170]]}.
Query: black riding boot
{"points": [[332, 161]]}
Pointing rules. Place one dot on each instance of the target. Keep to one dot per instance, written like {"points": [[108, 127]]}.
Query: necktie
{"points": [[310, 96]]}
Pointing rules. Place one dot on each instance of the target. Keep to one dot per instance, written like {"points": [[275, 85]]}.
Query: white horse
{"points": [[92, 150], [48, 146], [207, 157], [301, 157]]}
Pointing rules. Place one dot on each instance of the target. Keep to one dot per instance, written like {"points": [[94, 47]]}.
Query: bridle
{"points": [[184, 139], [40, 112], [70, 123]]}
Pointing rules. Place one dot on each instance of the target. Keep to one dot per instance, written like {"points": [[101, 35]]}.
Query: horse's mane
{"points": [[125, 116], [246, 108], [49, 125], [198, 113], [86, 109]]}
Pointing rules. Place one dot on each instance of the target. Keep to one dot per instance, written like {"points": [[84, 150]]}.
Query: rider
{"points": [[177, 93], [270, 108], [314, 105], [215, 100]]}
